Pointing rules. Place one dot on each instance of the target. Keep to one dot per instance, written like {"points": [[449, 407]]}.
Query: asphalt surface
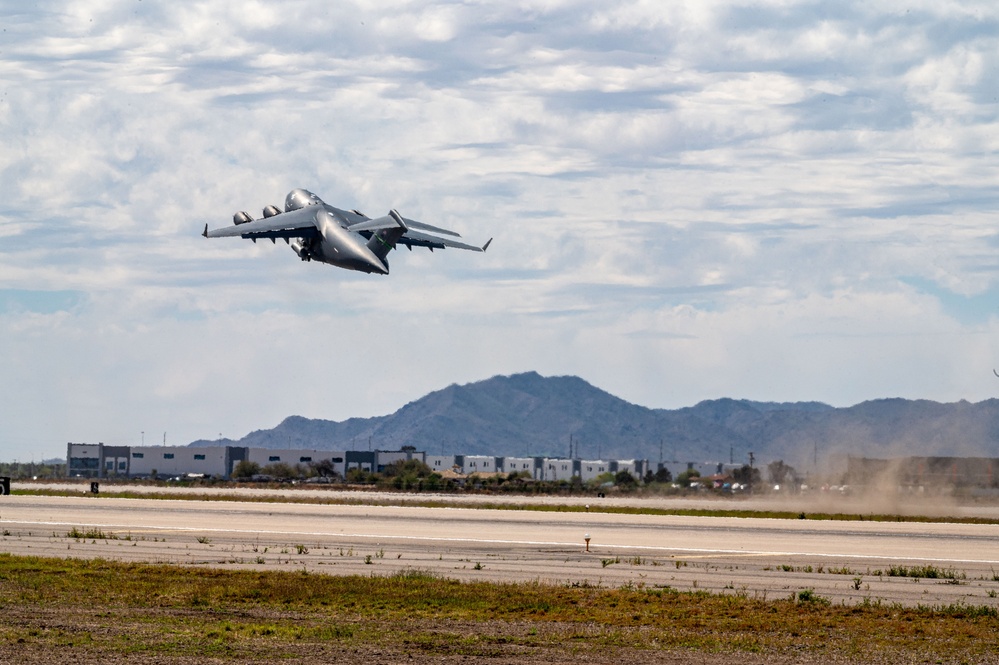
{"points": [[842, 561], [828, 502]]}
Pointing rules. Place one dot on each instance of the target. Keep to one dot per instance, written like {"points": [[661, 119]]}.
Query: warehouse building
{"points": [[101, 461]]}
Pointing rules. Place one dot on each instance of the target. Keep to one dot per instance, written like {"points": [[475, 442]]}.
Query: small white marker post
{"points": [[586, 537]]}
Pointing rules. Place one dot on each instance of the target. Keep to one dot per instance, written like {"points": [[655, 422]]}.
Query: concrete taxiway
{"points": [[842, 561]]}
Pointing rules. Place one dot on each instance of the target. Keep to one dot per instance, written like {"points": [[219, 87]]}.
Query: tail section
{"points": [[383, 241]]}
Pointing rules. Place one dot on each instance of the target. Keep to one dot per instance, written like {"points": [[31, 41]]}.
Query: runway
{"points": [[842, 561]]}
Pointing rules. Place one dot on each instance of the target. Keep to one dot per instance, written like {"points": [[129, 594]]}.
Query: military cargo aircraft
{"points": [[342, 238]]}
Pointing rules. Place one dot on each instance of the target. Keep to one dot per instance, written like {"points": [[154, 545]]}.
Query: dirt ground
{"points": [[74, 636]]}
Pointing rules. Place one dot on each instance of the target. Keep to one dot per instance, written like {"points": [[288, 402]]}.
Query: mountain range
{"points": [[530, 415]]}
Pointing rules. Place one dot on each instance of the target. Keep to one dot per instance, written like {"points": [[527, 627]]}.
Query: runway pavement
{"points": [[814, 502], [842, 561]]}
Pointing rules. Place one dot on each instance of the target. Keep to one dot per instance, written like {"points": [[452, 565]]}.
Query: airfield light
{"points": [[586, 537]]}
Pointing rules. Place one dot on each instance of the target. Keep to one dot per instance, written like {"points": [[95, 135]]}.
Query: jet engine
{"points": [[302, 250], [241, 218], [270, 211]]}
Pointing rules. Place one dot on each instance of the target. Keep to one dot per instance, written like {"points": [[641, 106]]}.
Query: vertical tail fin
{"points": [[383, 241]]}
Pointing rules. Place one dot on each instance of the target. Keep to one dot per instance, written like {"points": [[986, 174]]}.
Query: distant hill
{"points": [[527, 414]]}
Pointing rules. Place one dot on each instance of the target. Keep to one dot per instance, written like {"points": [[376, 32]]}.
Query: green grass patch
{"points": [[927, 572], [90, 533]]}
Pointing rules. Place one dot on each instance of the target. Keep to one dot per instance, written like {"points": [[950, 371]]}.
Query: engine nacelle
{"points": [[241, 218], [302, 251], [270, 211]]}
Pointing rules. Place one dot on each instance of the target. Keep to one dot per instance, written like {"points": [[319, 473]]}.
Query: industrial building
{"points": [[539, 468], [101, 461]]}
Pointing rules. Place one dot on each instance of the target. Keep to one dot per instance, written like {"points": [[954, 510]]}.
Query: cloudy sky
{"points": [[690, 200]]}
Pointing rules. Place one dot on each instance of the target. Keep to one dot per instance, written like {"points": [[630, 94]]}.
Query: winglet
{"points": [[205, 232], [486, 246]]}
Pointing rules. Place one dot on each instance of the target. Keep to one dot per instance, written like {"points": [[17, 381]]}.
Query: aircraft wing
{"points": [[416, 239], [299, 223]]}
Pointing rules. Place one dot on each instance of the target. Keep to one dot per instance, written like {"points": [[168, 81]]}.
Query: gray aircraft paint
{"points": [[342, 238]]}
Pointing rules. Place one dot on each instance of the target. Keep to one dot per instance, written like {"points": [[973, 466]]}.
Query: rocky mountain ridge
{"points": [[528, 414]]}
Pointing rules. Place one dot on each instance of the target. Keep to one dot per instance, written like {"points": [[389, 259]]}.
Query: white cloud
{"points": [[775, 200]]}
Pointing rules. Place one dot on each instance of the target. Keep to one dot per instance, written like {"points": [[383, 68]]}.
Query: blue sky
{"points": [[690, 200]]}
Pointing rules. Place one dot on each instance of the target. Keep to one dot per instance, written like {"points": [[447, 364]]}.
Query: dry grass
{"points": [[115, 609]]}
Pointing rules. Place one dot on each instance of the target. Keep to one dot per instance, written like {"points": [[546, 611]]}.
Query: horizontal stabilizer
{"points": [[390, 221], [413, 224]]}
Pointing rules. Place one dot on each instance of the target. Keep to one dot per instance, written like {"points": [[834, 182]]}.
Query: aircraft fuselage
{"points": [[341, 247]]}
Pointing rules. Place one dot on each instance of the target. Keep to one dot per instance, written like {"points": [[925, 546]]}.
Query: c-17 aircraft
{"points": [[342, 238]]}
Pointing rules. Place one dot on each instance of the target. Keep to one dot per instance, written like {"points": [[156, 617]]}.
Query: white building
{"points": [[177, 461], [590, 469], [636, 468], [441, 463], [557, 468], [293, 457], [483, 464], [520, 465]]}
